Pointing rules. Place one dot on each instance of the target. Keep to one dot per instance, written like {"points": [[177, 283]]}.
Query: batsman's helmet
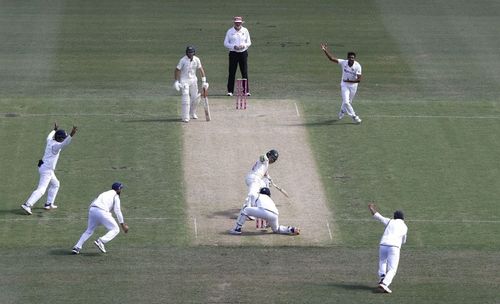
{"points": [[190, 50], [265, 191], [272, 155], [60, 135], [117, 186], [398, 214]]}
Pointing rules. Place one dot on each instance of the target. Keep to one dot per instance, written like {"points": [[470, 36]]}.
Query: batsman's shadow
{"points": [[230, 213], [329, 122]]}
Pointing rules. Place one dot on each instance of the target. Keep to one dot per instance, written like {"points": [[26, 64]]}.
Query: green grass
{"points": [[428, 143]]}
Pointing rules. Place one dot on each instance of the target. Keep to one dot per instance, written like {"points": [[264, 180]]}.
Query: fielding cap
{"points": [[238, 19], [190, 49], [117, 186], [60, 135]]}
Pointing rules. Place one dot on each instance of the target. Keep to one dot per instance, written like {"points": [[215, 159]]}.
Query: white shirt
{"points": [[265, 202], [260, 167], [394, 233], [107, 201], [188, 68], [52, 149], [349, 73], [237, 38]]}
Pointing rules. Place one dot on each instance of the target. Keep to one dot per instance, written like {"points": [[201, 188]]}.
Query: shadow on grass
{"points": [[329, 122], [350, 286], [63, 252], [231, 214]]}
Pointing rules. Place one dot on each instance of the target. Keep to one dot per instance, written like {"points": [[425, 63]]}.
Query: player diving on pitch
{"points": [[265, 209]]}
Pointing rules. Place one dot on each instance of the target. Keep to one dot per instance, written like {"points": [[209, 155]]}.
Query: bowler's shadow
{"points": [[350, 286], [63, 252]]}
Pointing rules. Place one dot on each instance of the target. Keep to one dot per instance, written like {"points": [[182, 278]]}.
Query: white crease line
{"points": [[414, 116], [195, 229], [329, 231], [297, 109]]}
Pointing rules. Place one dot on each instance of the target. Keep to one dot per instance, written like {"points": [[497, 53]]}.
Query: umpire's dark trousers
{"points": [[236, 59]]}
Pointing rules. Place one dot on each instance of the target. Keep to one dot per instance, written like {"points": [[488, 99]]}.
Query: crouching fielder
{"points": [[264, 209], [100, 214]]}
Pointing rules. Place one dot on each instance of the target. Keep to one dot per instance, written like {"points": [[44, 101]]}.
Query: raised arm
{"points": [[330, 56]]}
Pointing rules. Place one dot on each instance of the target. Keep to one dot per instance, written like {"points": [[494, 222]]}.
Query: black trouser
{"points": [[236, 59]]}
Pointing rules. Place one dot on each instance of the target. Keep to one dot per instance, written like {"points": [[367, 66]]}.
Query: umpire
{"points": [[237, 41]]}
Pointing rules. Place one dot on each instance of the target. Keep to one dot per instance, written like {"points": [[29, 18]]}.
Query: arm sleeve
{"points": [[380, 218], [59, 146], [248, 43], [404, 239], [51, 135], [117, 209], [227, 42]]}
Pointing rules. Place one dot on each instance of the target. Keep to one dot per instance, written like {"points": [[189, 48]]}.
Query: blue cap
{"points": [[117, 186]]}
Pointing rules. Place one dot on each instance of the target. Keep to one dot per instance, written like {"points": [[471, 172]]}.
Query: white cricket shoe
{"points": [[49, 206], [194, 116], [295, 231], [235, 231], [229, 94], [384, 288], [75, 250], [356, 119], [26, 209], [100, 245], [185, 120], [248, 94]]}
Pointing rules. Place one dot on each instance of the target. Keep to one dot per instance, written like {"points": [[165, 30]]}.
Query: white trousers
{"points": [[388, 263], [99, 217], [190, 98], [47, 180], [348, 93], [254, 184], [258, 212]]}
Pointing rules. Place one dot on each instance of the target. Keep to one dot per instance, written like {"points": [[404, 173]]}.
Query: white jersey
{"points": [[260, 167], [107, 201], [188, 68], [265, 202], [237, 38], [349, 73], [394, 233], [52, 149]]}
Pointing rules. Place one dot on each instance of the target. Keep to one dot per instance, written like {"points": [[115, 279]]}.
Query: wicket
{"points": [[241, 93], [260, 223]]}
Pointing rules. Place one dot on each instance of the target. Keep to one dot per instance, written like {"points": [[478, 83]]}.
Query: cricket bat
{"points": [[205, 105], [280, 189]]}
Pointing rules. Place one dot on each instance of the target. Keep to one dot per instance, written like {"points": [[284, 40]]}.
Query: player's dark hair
{"points": [[398, 214], [351, 53]]}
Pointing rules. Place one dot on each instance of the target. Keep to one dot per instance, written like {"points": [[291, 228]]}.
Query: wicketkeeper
{"points": [[187, 83], [265, 209]]}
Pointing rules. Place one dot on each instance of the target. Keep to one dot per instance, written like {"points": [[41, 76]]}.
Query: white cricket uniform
{"points": [[349, 89], [265, 209], [189, 85], [237, 38], [390, 244], [46, 170], [257, 178], [100, 214]]}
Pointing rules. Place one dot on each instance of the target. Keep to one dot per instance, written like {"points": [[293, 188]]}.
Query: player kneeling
{"points": [[264, 209]]}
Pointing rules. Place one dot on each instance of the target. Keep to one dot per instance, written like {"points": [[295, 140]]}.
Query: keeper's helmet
{"points": [[60, 135], [265, 191], [272, 155], [190, 50], [398, 214]]}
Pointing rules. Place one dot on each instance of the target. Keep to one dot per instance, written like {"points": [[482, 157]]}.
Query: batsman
{"points": [[187, 83]]}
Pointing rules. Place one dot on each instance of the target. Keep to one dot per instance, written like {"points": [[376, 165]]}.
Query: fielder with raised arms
{"points": [[265, 209], [351, 76], [390, 244], [187, 82], [56, 141]]}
